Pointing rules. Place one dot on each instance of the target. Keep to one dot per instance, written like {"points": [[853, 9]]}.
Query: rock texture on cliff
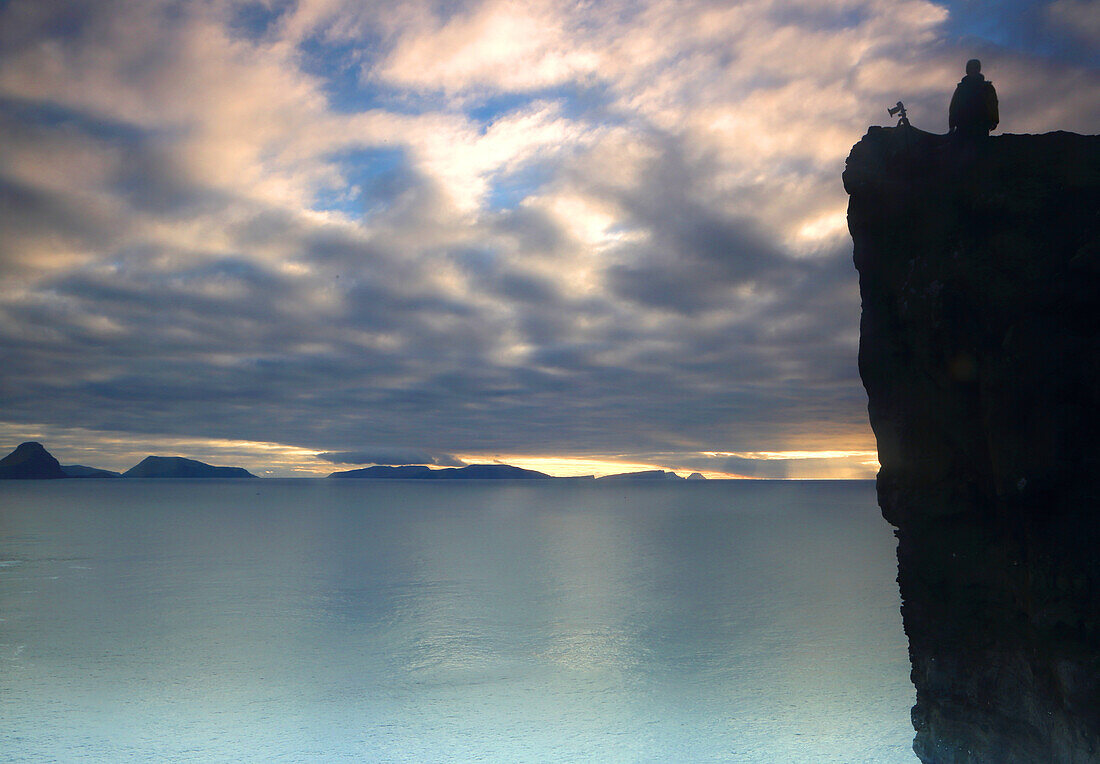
{"points": [[30, 461], [979, 269]]}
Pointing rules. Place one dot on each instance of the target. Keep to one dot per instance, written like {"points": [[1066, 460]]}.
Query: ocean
{"points": [[404, 621]]}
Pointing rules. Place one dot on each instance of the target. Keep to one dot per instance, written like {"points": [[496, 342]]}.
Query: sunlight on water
{"points": [[402, 621]]}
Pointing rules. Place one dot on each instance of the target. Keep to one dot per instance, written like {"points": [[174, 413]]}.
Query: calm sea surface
{"points": [[319, 620]]}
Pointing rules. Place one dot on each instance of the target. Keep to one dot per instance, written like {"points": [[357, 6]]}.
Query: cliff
{"points": [[979, 271], [178, 467], [30, 461]]}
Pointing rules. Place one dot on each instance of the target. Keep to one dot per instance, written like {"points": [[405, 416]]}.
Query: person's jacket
{"points": [[974, 106]]}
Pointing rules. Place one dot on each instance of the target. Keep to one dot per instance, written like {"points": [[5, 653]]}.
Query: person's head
{"points": [[973, 66]]}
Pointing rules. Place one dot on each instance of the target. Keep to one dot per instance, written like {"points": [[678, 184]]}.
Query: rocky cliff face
{"points": [[979, 269]]}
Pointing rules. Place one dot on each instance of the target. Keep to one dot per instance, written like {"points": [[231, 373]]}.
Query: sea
{"points": [[305, 620]]}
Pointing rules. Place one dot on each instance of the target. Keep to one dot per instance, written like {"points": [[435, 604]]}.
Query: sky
{"points": [[583, 237]]}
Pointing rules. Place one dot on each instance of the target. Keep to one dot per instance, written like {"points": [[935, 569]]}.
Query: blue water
{"points": [[314, 620]]}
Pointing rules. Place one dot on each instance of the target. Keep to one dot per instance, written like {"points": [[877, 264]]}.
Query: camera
{"points": [[899, 110]]}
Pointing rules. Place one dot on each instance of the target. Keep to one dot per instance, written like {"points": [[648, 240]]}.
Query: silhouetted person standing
{"points": [[973, 109]]}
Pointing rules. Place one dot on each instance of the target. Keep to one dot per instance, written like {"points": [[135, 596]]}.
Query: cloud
{"points": [[1076, 18], [584, 229], [500, 44], [391, 457], [860, 467]]}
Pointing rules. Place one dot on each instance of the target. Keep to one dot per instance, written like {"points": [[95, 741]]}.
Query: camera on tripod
{"points": [[903, 120]]}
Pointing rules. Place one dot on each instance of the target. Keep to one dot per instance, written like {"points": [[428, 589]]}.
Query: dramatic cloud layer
{"points": [[336, 231]]}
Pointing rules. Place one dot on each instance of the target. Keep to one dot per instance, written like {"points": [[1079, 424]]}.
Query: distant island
{"points": [[470, 472], [178, 467], [31, 461], [492, 472], [80, 471], [647, 475]]}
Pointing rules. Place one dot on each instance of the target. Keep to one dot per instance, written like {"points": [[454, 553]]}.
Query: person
{"points": [[973, 110]]}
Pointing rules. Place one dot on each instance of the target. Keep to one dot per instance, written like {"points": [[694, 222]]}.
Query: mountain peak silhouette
{"points": [[30, 461]]}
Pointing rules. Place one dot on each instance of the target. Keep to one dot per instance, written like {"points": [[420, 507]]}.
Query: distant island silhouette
{"points": [[80, 471], [647, 475], [420, 472], [178, 467], [31, 461]]}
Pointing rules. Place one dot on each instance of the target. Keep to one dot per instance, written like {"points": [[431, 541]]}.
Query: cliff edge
{"points": [[979, 271]]}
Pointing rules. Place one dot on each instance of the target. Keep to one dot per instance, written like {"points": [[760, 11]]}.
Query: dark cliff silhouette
{"points": [[178, 467], [30, 461], [980, 353]]}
